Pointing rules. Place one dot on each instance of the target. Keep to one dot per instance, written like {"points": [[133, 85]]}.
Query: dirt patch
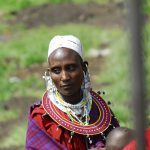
{"points": [[35, 69], [106, 15], [21, 103]]}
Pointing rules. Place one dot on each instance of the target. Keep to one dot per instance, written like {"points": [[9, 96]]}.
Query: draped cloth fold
{"points": [[39, 139]]}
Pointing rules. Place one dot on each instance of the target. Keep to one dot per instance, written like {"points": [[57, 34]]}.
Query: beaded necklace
{"points": [[79, 112]]}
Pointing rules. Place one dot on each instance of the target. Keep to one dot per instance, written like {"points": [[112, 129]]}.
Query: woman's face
{"points": [[66, 71]]}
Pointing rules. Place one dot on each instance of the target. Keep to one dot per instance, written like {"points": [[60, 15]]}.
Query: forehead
{"points": [[64, 54]]}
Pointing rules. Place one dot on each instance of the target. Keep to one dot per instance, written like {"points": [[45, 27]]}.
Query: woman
{"points": [[71, 116]]}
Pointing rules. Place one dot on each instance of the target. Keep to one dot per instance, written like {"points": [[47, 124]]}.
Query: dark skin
{"points": [[66, 69], [118, 138]]}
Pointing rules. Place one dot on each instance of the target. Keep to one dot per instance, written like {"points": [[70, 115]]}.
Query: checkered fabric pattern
{"points": [[37, 139]]}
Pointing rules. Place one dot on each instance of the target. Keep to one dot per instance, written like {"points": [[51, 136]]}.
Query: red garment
{"points": [[60, 135], [132, 144], [38, 139], [148, 139], [40, 118]]}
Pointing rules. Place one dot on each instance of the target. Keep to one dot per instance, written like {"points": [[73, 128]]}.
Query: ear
{"points": [[85, 65]]}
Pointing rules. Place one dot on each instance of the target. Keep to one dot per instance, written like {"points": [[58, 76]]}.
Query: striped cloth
{"points": [[38, 139]]}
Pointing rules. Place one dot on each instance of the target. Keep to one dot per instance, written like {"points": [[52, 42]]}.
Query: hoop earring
{"points": [[49, 83]]}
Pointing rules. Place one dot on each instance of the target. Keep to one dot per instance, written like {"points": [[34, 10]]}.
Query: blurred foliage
{"points": [[146, 7], [16, 5], [115, 72], [9, 114], [16, 138], [147, 58]]}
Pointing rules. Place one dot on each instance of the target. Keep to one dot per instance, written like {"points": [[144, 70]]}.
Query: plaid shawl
{"points": [[38, 139]]}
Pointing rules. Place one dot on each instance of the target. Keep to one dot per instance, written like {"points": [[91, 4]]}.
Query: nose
{"points": [[65, 76]]}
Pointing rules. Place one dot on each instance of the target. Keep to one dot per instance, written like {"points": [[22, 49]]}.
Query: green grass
{"points": [[147, 66], [16, 137], [146, 7], [115, 71], [147, 58], [16, 5], [9, 114]]}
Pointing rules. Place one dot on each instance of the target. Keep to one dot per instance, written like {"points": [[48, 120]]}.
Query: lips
{"points": [[65, 86]]}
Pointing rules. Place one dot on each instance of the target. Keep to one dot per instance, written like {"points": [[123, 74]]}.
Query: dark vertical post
{"points": [[136, 51]]}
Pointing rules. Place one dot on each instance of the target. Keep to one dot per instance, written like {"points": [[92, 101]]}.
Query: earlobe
{"points": [[85, 65], [86, 81]]}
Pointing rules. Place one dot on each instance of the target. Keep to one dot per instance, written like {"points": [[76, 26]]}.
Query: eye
{"points": [[56, 70], [71, 67]]}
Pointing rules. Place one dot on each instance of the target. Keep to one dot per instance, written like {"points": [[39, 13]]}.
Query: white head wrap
{"points": [[67, 41]]}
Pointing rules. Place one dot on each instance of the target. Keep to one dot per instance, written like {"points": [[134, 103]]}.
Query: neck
{"points": [[73, 99]]}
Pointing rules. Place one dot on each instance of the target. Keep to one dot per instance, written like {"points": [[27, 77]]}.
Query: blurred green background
{"points": [[23, 58]]}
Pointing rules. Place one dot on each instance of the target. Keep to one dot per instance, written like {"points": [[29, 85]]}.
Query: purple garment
{"points": [[38, 139]]}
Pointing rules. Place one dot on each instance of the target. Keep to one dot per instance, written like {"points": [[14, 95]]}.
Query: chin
{"points": [[66, 92]]}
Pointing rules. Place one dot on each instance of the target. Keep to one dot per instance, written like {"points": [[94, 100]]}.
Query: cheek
{"points": [[79, 78], [55, 79]]}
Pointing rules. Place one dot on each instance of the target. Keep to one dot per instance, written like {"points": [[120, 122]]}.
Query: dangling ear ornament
{"points": [[86, 82], [49, 83]]}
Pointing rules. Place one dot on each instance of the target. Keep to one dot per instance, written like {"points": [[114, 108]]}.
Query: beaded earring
{"points": [[86, 82], [49, 83]]}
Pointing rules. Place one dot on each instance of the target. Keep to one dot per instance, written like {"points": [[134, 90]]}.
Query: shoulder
{"points": [[38, 114], [36, 105], [36, 109]]}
